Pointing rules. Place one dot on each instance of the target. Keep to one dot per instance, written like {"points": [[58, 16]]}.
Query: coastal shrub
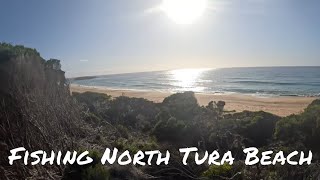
{"points": [[95, 102], [8, 51], [123, 131], [169, 128], [314, 103], [134, 145], [91, 97], [216, 172], [92, 171], [129, 111], [310, 125], [53, 64], [95, 173], [92, 119], [183, 106], [288, 129], [257, 127], [216, 106], [304, 127]]}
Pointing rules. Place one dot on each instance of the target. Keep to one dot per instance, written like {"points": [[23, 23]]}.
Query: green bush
{"points": [[92, 171], [257, 127], [215, 171], [170, 129], [183, 106], [123, 131], [303, 128], [288, 128], [97, 172], [134, 145]]}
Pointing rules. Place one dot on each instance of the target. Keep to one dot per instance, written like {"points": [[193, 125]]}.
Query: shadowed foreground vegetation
{"points": [[38, 112]]}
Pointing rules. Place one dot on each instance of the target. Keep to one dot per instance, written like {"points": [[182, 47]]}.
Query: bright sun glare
{"points": [[186, 79], [184, 11]]}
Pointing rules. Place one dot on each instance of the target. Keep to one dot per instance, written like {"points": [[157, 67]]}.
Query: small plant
{"points": [[92, 171], [218, 171]]}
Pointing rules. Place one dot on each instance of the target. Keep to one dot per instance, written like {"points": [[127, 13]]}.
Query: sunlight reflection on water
{"points": [[186, 79]]}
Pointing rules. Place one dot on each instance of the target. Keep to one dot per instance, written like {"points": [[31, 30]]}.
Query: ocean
{"points": [[257, 81]]}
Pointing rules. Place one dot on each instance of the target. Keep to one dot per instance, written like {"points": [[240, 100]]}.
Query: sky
{"points": [[116, 36]]}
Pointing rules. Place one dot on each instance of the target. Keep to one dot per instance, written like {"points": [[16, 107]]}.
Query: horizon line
{"points": [[233, 67]]}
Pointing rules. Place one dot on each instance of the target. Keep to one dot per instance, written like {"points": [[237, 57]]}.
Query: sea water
{"points": [[259, 81]]}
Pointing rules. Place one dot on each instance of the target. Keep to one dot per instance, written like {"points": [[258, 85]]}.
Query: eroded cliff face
{"points": [[36, 109]]}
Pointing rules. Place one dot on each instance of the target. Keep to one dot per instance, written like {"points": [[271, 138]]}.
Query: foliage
{"points": [[258, 128], [215, 171], [95, 173], [137, 113], [91, 97], [169, 128], [183, 106], [53, 64], [8, 51], [304, 127], [134, 145], [288, 129], [93, 101], [92, 171], [216, 106], [123, 131]]}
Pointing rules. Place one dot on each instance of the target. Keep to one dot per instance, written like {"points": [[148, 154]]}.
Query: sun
{"points": [[184, 11]]}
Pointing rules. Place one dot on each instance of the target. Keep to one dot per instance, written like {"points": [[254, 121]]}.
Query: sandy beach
{"points": [[282, 106]]}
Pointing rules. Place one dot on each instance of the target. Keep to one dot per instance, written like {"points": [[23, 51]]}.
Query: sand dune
{"points": [[281, 106]]}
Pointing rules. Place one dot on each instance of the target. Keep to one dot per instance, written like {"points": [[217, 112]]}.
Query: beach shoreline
{"points": [[281, 106]]}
